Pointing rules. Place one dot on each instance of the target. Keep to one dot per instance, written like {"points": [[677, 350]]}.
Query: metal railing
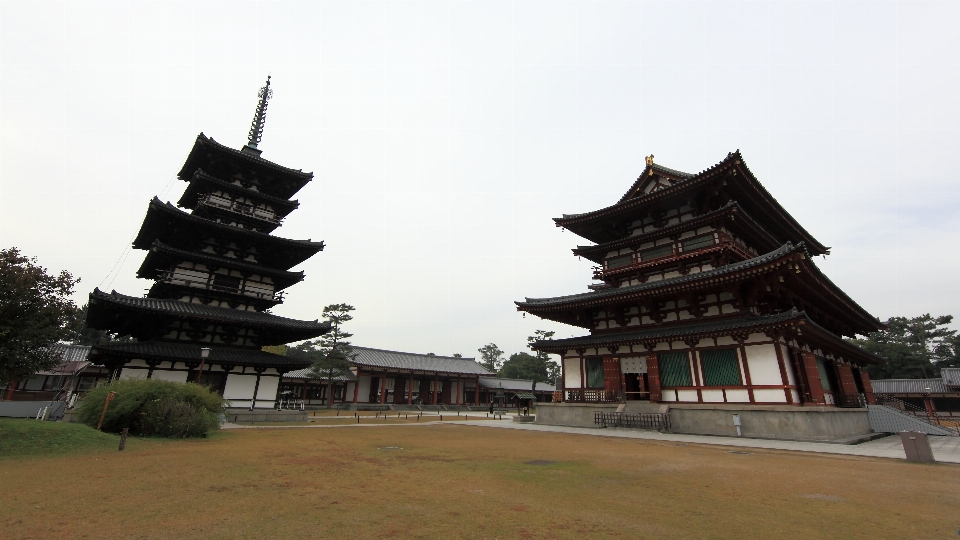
{"points": [[930, 416], [243, 209], [724, 242], [657, 421], [594, 396]]}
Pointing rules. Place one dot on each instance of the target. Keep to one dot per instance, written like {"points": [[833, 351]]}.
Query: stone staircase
{"points": [[885, 419]]}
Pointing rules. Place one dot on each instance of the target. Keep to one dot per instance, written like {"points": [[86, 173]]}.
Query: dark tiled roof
{"points": [[378, 358], [257, 160], [951, 376], [909, 386], [597, 252], [73, 359], [515, 385], [192, 310], [595, 296], [645, 175], [305, 373], [148, 269], [793, 230], [159, 350], [300, 249]]}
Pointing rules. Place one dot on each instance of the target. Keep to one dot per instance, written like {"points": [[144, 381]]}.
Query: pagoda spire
{"points": [[259, 118]]}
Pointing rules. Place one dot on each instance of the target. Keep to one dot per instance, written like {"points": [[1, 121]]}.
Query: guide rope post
{"points": [[106, 403]]}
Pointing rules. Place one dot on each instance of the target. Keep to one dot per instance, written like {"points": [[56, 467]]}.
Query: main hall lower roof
{"points": [[164, 351]]}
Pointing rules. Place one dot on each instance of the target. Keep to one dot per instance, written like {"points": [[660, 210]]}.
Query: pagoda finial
{"points": [[256, 127], [649, 160]]}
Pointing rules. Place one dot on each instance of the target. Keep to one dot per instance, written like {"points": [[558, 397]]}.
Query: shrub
{"points": [[154, 408]]}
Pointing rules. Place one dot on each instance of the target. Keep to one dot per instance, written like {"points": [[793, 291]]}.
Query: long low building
{"points": [[924, 396], [391, 377]]}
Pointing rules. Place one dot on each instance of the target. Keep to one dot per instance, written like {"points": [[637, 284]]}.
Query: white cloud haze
{"points": [[445, 136]]}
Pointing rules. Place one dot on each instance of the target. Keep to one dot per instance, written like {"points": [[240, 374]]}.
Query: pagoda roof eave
{"points": [[282, 278], [384, 360], [203, 140], [189, 198], [163, 351], [135, 309], [297, 250], [597, 252], [792, 322], [858, 318], [604, 296], [575, 222]]}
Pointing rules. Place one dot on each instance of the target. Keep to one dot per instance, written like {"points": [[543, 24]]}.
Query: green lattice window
{"points": [[720, 367], [698, 242], [657, 252], [674, 369], [594, 372], [620, 262]]}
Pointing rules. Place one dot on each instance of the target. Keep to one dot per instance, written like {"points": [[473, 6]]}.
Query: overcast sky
{"points": [[444, 136]]}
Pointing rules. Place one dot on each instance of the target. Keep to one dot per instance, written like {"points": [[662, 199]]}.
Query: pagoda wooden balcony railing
{"points": [[688, 248], [243, 209], [171, 277], [593, 396]]}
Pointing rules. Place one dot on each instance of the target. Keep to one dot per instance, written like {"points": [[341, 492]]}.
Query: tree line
{"points": [[538, 367], [913, 347]]}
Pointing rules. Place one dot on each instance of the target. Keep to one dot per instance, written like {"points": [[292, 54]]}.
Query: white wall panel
{"points": [[363, 394], [239, 386], [764, 368], [712, 396], [738, 396], [687, 395], [769, 396], [267, 391], [571, 373], [133, 373], [175, 376]]}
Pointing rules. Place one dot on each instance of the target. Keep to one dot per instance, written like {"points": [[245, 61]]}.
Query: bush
{"points": [[154, 408]]}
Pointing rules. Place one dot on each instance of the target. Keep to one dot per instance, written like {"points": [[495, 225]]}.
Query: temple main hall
{"points": [[216, 271], [706, 298]]}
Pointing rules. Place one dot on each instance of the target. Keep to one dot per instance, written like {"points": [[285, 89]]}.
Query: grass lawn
{"points": [[448, 481], [24, 437]]}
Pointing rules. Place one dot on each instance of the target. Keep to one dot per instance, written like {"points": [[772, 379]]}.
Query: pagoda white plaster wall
{"points": [[571, 373], [763, 364], [687, 395], [267, 393], [133, 373], [240, 387], [173, 376]]}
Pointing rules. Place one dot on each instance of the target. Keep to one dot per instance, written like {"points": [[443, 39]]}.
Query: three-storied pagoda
{"points": [[217, 271], [707, 294]]}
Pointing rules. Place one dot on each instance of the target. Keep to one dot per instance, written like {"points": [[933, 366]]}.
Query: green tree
{"points": [[491, 357], [331, 354], [544, 369], [35, 312], [914, 348]]}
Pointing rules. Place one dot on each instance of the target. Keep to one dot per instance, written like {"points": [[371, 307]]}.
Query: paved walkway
{"points": [[945, 449]]}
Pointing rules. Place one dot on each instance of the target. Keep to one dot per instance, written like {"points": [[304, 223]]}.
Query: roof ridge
{"points": [[414, 354]]}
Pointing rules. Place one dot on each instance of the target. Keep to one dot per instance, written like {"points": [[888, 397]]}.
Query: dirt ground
{"points": [[448, 481]]}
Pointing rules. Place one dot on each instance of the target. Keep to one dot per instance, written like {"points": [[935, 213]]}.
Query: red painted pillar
{"points": [[434, 390], [383, 389], [813, 377], [356, 388], [867, 387], [476, 392], [10, 389], [410, 390], [653, 377]]}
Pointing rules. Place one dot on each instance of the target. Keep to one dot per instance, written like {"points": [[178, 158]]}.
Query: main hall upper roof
{"points": [[732, 173]]}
